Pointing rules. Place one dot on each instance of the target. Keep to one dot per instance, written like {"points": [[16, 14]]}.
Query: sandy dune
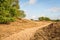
{"points": [[25, 34]]}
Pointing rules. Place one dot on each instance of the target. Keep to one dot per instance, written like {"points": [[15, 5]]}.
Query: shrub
{"points": [[44, 18]]}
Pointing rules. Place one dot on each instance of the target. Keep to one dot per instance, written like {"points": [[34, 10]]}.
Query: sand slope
{"points": [[25, 34]]}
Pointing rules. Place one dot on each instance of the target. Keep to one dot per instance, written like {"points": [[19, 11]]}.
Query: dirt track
{"points": [[25, 34]]}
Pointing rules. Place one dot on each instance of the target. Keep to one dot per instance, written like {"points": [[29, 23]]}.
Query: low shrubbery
{"points": [[48, 19], [44, 18]]}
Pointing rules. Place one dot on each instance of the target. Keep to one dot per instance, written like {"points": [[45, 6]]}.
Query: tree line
{"points": [[47, 19]]}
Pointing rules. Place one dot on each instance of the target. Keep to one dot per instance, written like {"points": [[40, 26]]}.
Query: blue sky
{"points": [[37, 8]]}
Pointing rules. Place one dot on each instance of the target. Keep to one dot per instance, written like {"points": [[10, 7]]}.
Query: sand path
{"points": [[25, 34]]}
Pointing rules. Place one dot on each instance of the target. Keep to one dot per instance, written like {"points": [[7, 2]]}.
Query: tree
{"points": [[44, 18], [9, 11]]}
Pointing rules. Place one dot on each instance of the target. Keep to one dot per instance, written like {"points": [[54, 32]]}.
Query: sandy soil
{"points": [[25, 34], [9, 29]]}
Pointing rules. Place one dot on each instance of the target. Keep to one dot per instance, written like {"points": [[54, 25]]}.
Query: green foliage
{"points": [[57, 20], [9, 11], [44, 18], [4, 20]]}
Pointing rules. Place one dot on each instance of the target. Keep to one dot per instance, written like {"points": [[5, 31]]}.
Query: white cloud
{"points": [[54, 9], [32, 1]]}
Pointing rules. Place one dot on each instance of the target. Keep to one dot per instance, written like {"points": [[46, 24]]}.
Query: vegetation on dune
{"points": [[56, 20], [9, 11], [48, 19], [44, 18]]}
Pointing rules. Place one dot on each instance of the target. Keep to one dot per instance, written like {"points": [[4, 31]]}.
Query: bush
{"points": [[44, 18], [4, 20], [6, 16], [57, 20]]}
